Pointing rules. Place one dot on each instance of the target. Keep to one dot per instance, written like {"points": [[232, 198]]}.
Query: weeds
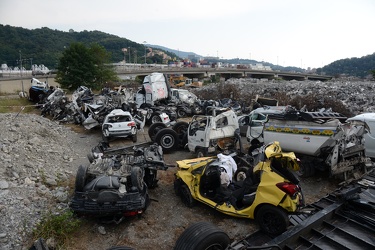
{"points": [[9, 105], [58, 227]]}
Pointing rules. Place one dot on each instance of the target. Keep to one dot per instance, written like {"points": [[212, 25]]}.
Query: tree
{"points": [[373, 73], [87, 66]]}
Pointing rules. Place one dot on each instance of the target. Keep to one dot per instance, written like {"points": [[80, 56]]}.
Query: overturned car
{"points": [[115, 184]]}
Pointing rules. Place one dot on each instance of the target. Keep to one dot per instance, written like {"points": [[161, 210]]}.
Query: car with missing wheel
{"points": [[119, 124], [115, 184], [269, 193]]}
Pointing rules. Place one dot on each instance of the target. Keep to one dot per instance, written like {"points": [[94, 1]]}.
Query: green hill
{"points": [[359, 67], [45, 46]]}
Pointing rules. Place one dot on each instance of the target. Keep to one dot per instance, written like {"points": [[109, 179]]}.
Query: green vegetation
{"points": [[360, 67], [46, 46], [16, 105], [87, 66], [59, 227]]}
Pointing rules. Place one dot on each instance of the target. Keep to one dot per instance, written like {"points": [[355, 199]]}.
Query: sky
{"points": [[301, 33]]}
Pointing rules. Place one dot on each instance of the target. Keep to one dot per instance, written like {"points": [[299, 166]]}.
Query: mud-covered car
{"points": [[115, 184], [119, 123]]}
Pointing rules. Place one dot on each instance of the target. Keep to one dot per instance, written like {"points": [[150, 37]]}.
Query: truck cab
{"points": [[208, 134]]}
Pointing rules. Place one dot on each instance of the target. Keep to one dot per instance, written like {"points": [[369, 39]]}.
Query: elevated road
{"points": [[223, 72]]}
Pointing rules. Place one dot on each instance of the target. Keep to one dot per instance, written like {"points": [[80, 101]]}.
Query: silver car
{"points": [[119, 123]]}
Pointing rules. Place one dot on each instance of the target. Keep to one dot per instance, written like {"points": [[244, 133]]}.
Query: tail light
{"points": [[289, 188], [132, 213], [131, 124]]}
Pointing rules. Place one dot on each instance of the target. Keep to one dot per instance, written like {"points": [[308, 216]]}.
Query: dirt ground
{"points": [[167, 217]]}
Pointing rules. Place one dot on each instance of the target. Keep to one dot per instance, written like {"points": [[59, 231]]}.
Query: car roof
{"points": [[119, 112]]}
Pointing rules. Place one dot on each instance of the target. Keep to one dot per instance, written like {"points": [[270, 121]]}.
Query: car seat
{"points": [[210, 182]]}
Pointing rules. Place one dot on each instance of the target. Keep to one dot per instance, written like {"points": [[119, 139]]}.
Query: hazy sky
{"points": [[302, 33]]}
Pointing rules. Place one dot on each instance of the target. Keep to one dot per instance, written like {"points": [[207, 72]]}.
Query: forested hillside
{"points": [[45, 46], [359, 67]]}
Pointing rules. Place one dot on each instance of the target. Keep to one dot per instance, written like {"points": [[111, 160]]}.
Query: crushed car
{"points": [[115, 184], [269, 193]]}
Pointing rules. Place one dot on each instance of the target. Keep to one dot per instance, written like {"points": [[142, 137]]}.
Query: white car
{"points": [[119, 123]]}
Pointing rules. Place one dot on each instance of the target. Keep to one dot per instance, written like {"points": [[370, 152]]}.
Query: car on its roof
{"points": [[119, 123]]}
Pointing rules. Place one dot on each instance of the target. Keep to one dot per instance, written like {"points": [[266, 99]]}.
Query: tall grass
{"points": [[15, 105]]}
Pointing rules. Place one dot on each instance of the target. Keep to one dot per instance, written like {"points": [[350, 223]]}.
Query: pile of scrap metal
{"points": [[115, 183]]}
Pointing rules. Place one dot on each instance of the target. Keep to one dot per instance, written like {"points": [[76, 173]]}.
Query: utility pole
{"points": [[20, 63], [144, 42]]}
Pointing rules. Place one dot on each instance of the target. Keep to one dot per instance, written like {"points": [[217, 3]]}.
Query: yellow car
{"points": [[268, 194]]}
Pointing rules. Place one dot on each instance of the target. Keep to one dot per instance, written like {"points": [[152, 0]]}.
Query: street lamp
{"points": [[144, 42]]}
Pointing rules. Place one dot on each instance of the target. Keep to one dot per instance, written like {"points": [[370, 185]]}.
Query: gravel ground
{"points": [[37, 154]]}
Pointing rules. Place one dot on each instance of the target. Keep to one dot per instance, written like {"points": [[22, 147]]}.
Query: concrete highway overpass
{"points": [[223, 72]]}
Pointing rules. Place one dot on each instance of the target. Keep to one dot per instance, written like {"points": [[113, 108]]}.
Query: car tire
{"points": [[134, 138], [181, 113], [177, 187], [181, 129], [81, 178], [168, 139], [202, 235], [272, 220], [154, 129], [186, 196], [155, 118], [201, 152], [151, 178], [240, 174], [136, 177], [306, 170]]}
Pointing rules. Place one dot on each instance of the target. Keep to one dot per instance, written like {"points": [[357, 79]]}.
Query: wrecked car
{"points": [[322, 139], [115, 185], [268, 194], [119, 124]]}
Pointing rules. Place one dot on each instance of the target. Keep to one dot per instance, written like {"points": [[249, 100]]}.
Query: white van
{"points": [[369, 118]]}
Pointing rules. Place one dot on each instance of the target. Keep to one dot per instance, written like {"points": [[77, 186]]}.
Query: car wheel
{"points": [[177, 187], [137, 178], [181, 113], [134, 138], [155, 118], [81, 178], [186, 196], [306, 170], [202, 236], [154, 129], [240, 174], [168, 139], [181, 129], [151, 178], [90, 157], [272, 220], [201, 152]]}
